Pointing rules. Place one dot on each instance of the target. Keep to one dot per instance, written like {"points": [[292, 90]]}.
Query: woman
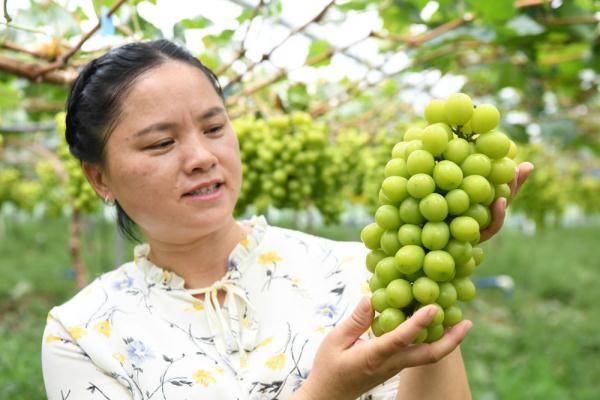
{"points": [[211, 307]]}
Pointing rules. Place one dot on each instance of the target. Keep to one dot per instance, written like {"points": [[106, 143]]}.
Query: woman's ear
{"points": [[97, 178]]}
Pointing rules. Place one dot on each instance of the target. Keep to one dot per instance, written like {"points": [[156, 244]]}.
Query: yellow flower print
{"points": [[365, 289], [264, 342], [276, 362], [296, 282], [52, 338], [49, 317], [203, 377], [198, 305], [348, 258], [220, 371], [245, 243], [76, 332], [165, 276], [268, 258], [320, 329], [119, 357], [243, 362], [103, 327], [245, 322]]}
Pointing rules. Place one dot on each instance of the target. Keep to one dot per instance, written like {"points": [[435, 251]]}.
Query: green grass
{"points": [[542, 343]]}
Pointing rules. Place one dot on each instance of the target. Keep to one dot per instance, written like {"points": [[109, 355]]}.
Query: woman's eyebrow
{"points": [[161, 126]]}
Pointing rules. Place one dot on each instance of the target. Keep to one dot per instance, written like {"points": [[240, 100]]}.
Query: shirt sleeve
{"points": [[68, 372]]}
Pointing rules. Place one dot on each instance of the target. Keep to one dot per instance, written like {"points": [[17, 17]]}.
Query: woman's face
{"points": [[173, 160]]}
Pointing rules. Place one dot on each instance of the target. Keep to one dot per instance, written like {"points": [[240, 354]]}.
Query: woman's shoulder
{"points": [[292, 237], [99, 293]]}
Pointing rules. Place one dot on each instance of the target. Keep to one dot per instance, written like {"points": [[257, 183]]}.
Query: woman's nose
{"points": [[198, 157]]}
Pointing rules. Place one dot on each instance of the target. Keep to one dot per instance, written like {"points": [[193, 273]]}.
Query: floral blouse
{"points": [[137, 333]]}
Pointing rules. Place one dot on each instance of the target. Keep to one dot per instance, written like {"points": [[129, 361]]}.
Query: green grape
{"points": [[438, 265], [458, 201], [383, 199], [399, 150], [411, 147], [394, 188], [434, 332], [409, 211], [420, 185], [452, 316], [373, 257], [478, 255], [477, 187], [409, 234], [447, 175], [413, 133], [390, 318], [502, 190], [485, 118], [465, 289], [371, 235], [491, 196], [425, 290], [387, 217], [435, 235], [446, 128], [476, 164], [465, 269], [434, 112], [481, 214], [460, 251], [399, 293], [433, 207], [457, 150], [466, 128], [389, 242], [420, 161], [435, 140], [447, 296], [379, 300], [512, 150], [458, 109], [495, 144], [376, 327], [375, 283], [396, 167], [438, 318], [415, 275], [503, 171], [387, 270], [465, 229], [409, 259]]}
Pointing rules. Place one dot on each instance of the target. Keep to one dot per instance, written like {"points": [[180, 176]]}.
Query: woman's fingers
{"points": [[523, 171], [498, 214], [427, 353], [348, 331], [387, 345]]}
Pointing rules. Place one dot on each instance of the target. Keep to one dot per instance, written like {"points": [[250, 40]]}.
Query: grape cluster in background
{"points": [[435, 199]]}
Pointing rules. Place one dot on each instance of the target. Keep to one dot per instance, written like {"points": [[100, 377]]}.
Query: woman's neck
{"points": [[201, 262]]}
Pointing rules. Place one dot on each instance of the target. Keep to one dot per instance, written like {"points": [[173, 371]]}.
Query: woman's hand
{"points": [[346, 367], [499, 207]]}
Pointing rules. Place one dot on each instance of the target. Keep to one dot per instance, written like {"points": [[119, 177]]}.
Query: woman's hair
{"points": [[96, 96]]}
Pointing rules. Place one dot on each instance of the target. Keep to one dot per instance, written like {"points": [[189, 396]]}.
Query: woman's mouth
{"points": [[206, 193]]}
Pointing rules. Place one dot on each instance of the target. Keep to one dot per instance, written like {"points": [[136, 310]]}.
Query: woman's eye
{"points": [[161, 145], [215, 129]]}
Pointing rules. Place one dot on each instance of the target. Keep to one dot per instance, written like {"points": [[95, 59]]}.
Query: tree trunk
{"points": [[75, 249]]}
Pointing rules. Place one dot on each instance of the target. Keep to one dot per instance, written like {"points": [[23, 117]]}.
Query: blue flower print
{"points": [[124, 283], [300, 377], [327, 310], [138, 352]]}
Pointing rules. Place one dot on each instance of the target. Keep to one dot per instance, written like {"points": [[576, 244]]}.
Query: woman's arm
{"points": [[70, 374], [445, 379]]}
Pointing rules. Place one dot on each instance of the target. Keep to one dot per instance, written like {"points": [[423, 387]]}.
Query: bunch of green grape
{"points": [[288, 161], [434, 201]]}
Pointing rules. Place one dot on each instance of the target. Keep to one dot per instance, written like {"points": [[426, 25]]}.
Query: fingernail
{"points": [[431, 311], [503, 200], [468, 326]]}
